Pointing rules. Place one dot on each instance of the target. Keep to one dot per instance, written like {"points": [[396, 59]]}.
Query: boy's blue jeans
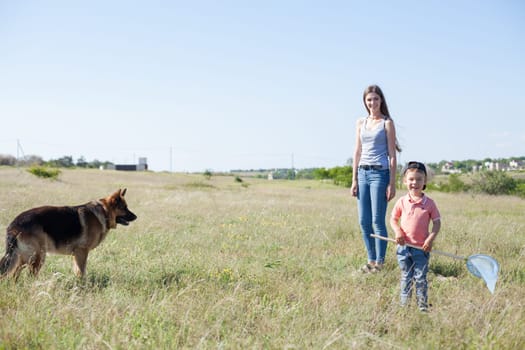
{"points": [[414, 268], [372, 204]]}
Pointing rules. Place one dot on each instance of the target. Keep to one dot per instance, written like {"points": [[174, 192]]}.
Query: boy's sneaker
{"points": [[423, 307], [422, 303]]}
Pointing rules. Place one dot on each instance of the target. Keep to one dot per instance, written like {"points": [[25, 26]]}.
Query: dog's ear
{"points": [[114, 197], [123, 192]]}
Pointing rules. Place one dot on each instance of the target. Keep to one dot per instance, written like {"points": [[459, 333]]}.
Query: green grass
{"points": [[214, 264]]}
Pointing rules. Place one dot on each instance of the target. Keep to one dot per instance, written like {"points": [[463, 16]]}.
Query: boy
{"points": [[410, 221]]}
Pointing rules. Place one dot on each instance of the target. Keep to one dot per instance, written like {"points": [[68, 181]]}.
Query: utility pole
{"points": [[19, 150], [292, 172]]}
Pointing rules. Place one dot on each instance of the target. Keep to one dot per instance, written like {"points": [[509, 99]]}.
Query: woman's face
{"points": [[373, 102]]}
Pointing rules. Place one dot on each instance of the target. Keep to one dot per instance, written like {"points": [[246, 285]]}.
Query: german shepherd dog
{"points": [[69, 230]]}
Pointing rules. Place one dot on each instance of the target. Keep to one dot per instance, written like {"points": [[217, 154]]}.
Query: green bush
{"points": [[455, 184], [43, 172], [321, 174], [520, 189], [493, 182], [431, 186], [342, 175]]}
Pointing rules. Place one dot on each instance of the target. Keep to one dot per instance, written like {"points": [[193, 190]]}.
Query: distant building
{"points": [[448, 168], [141, 166], [492, 166], [516, 165]]}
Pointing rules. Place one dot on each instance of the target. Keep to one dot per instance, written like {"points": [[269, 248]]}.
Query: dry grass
{"points": [[221, 264]]}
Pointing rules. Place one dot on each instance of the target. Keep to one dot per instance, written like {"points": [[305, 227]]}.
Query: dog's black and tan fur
{"points": [[69, 230]]}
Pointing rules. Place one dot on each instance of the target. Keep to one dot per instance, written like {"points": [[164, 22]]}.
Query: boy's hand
{"points": [[400, 239], [427, 246]]}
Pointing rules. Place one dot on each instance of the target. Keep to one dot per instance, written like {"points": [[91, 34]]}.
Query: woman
{"points": [[374, 174]]}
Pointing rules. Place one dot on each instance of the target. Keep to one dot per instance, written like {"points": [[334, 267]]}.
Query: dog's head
{"points": [[117, 209]]}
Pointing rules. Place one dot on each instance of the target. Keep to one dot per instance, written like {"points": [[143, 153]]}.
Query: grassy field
{"points": [[256, 265]]}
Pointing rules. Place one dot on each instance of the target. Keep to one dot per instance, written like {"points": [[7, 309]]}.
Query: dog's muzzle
{"points": [[124, 220]]}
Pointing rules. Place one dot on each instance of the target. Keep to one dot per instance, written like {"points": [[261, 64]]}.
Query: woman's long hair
{"points": [[383, 108]]}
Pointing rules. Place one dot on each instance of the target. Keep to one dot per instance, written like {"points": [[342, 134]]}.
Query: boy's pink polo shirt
{"points": [[415, 217]]}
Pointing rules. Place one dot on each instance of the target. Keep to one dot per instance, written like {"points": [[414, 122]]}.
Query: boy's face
{"points": [[414, 180]]}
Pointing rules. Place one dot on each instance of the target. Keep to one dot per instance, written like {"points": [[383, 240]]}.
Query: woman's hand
{"points": [[390, 192], [353, 188]]}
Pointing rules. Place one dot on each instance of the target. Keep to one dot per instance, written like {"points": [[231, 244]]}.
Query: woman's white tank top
{"points": [[374, 145]]}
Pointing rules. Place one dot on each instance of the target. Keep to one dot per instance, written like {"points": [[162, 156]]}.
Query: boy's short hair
{"points": [[415, 165]]}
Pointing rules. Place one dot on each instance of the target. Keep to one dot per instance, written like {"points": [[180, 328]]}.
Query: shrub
{"points": [[455, 184], [520, 189], [342, 175], [430, 187], [321, 174], [493, 182], [44, 172]]}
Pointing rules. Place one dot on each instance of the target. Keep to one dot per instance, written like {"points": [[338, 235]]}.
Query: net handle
{"points": [[435, 251]]}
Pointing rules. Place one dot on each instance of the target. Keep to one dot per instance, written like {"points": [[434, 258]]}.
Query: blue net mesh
{"points": [[484, 267]]}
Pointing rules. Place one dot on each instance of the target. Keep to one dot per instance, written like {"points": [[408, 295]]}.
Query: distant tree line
{"points": [[63, 162]]}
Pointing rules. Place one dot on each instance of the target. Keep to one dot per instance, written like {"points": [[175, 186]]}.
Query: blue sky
{"points": [[220, 85]]}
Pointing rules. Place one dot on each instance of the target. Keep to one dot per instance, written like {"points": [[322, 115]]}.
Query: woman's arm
{"points": [[392, 158], [357, 157]]}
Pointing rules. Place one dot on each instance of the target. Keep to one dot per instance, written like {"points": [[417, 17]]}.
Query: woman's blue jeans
{"points": [[372, 204]]}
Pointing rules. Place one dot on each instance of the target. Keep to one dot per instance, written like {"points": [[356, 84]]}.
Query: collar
{"points": [[422, 201], [104, 212]]}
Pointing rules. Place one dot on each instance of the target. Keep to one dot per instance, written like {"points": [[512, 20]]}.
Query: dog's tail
{"points": [[8, 261]]}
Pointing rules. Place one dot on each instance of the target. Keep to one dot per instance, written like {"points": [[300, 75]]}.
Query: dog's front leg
{"points": [[80, 260]]}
